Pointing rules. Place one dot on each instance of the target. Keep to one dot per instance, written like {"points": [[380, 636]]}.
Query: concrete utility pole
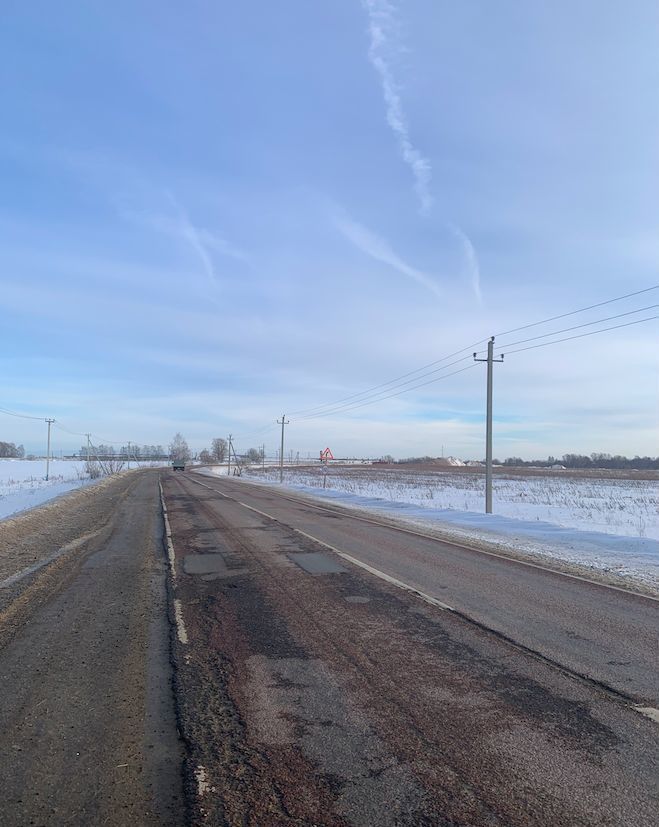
{"points": [[283, 422], [488, 431], [129, 455], [88, 436], [229, 452], [50, 422], [263, 456]]}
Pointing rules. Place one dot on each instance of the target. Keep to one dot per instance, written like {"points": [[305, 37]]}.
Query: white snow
{"points": [[23, 484], [607, 524]]}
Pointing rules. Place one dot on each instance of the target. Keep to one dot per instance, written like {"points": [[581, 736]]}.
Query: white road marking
{"points": [[168, 536], [386, 577], [180, 623], [181, 631], [649, 712], [201, 777]]}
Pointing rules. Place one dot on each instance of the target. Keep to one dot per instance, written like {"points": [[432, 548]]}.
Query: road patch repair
{"points": [[315, 690], [210, 566], [317, 563]]}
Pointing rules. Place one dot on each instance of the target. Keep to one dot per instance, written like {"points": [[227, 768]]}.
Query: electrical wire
{"points": [[362, 396], [377, 396], [581, 310], [582, 335], [577, 327], [392, 395], [391, 382], [22, 416], [59, 425]]}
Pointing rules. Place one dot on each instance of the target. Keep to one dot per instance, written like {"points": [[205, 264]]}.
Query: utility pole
{"points": [[50, 422], [263, 456], [87, 435], [488, 429], [129, 454], [229, 452], [283, 422]]}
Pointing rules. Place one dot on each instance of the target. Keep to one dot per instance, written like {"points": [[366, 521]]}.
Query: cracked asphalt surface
{"points": [[316, 693], [265, 680]]}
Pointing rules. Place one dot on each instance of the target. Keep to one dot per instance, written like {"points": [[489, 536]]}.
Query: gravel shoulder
{"points": [[31, 536]]}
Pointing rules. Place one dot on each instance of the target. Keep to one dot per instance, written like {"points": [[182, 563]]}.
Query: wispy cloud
{"points": [[471, 259], [381, 26], [177, 224], [192, 235], [378, 248], [383, 32]]}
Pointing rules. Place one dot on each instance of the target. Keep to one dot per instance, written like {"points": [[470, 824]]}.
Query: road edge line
{"points": [[179, 622]]}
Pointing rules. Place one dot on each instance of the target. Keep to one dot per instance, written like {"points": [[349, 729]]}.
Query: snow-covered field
{"points": [[614, 506], [23, 484], [606, 524]]}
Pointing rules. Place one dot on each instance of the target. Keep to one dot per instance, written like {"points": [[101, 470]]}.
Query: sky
{"points": [[213, 213]]}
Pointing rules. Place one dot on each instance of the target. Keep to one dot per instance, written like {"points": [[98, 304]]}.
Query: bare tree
{"points": [[178, 449], [206, 457], [219, 449]]}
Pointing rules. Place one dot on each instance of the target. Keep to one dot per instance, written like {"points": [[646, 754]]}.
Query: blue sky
{"points": [[215, 212]]}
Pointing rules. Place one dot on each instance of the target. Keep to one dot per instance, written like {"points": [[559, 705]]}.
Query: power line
{"points": [[390, 396], [582, 335], [392, 381], [21, 416], [579, 326], [377, 396], [62, 428], [345, 403], [581, 310], [255, 432], [380, 397]]}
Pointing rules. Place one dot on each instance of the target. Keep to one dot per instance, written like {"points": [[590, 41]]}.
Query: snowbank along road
{"points": [[320, 669]]}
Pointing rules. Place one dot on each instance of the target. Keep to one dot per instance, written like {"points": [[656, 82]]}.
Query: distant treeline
{"points": [[137, 453], [11, 451], [595, 460]]}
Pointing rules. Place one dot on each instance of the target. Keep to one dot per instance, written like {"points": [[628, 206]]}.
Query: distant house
{"points": [[558, 467]]}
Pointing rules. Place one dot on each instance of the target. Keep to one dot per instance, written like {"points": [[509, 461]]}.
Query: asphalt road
{"points": [[314, 692], [87, 723], [599, 632], [267, 680]]}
